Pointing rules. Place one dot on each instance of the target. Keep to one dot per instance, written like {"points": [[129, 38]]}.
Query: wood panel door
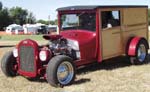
{"points": [[111, 42], [111, 34]]}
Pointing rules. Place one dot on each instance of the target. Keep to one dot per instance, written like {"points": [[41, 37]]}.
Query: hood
{"points": [[82, 36], [52, 37]]}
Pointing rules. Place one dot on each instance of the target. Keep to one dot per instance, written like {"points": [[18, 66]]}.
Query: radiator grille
{"points": [[27, 58]]}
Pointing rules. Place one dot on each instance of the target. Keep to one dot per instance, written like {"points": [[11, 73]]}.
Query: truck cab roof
{"points": [[93, 7]]}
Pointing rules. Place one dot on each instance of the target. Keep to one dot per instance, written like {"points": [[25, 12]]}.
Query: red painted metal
{"points": [[98, 53], [132, 46], [86, 40], [42, 71], [37, 64]]}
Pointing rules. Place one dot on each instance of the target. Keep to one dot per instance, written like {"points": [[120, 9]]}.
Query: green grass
{"points": [[21, 37]]}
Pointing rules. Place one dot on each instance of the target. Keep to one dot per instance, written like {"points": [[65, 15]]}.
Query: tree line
{"points": [[18, 15]]}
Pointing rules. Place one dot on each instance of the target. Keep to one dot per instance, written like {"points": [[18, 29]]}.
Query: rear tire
{"points": [[60, 71], [7, 64], [141, 54]]}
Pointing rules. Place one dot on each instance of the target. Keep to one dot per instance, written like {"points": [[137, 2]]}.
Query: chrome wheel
{"points": [[65, 72], [141, 53]]}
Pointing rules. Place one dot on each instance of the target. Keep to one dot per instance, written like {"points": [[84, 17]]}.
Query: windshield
{"points": [[83, 21]]}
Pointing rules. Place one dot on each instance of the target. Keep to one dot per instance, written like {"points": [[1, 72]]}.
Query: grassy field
{"points": [[118, 76], [14, 39], [20, 37]]}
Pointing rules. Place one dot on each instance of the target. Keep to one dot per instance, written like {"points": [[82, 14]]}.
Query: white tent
{"points": [[14, 28], [32, 28]]}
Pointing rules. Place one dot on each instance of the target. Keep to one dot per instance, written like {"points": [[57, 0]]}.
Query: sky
{"points": [[42, 9]]}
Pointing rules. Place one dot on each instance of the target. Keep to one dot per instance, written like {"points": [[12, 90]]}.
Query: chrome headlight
{"points": [[15, 52], [43, 55], [73, 44]]}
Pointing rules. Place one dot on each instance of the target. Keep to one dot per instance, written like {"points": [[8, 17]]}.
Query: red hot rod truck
{"points": [[87, 34]]}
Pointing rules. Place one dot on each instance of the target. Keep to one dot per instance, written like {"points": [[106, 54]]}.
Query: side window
{"points": [[110, 19]]}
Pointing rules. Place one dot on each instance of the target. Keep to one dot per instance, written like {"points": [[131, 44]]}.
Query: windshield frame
{"points": [[60, 13]]}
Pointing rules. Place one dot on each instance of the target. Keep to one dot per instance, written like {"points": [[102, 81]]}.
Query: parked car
{"points": [[87, 34], [43, 29]]}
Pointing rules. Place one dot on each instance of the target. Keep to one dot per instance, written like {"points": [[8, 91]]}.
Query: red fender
{"points": [[132, 46]]}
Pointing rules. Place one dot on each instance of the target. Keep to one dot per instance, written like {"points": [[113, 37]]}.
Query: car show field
{"points": [[112, 75], [94, 46], [117, 76]]}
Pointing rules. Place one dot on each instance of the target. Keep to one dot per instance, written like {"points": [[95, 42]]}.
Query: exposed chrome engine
{"points": [[64, 47], [59, 46]]}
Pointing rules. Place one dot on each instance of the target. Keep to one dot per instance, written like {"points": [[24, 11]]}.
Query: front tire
{"points": [[141, 53], [7, 64], [60, 71]]}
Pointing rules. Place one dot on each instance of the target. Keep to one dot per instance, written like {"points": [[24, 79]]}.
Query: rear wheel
{"points": [[141, 54], [8, 63], [60, 71]]}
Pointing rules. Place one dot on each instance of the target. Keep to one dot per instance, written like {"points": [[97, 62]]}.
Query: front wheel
{"points": [[8, 63], [141, 54], [60, 71]]}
